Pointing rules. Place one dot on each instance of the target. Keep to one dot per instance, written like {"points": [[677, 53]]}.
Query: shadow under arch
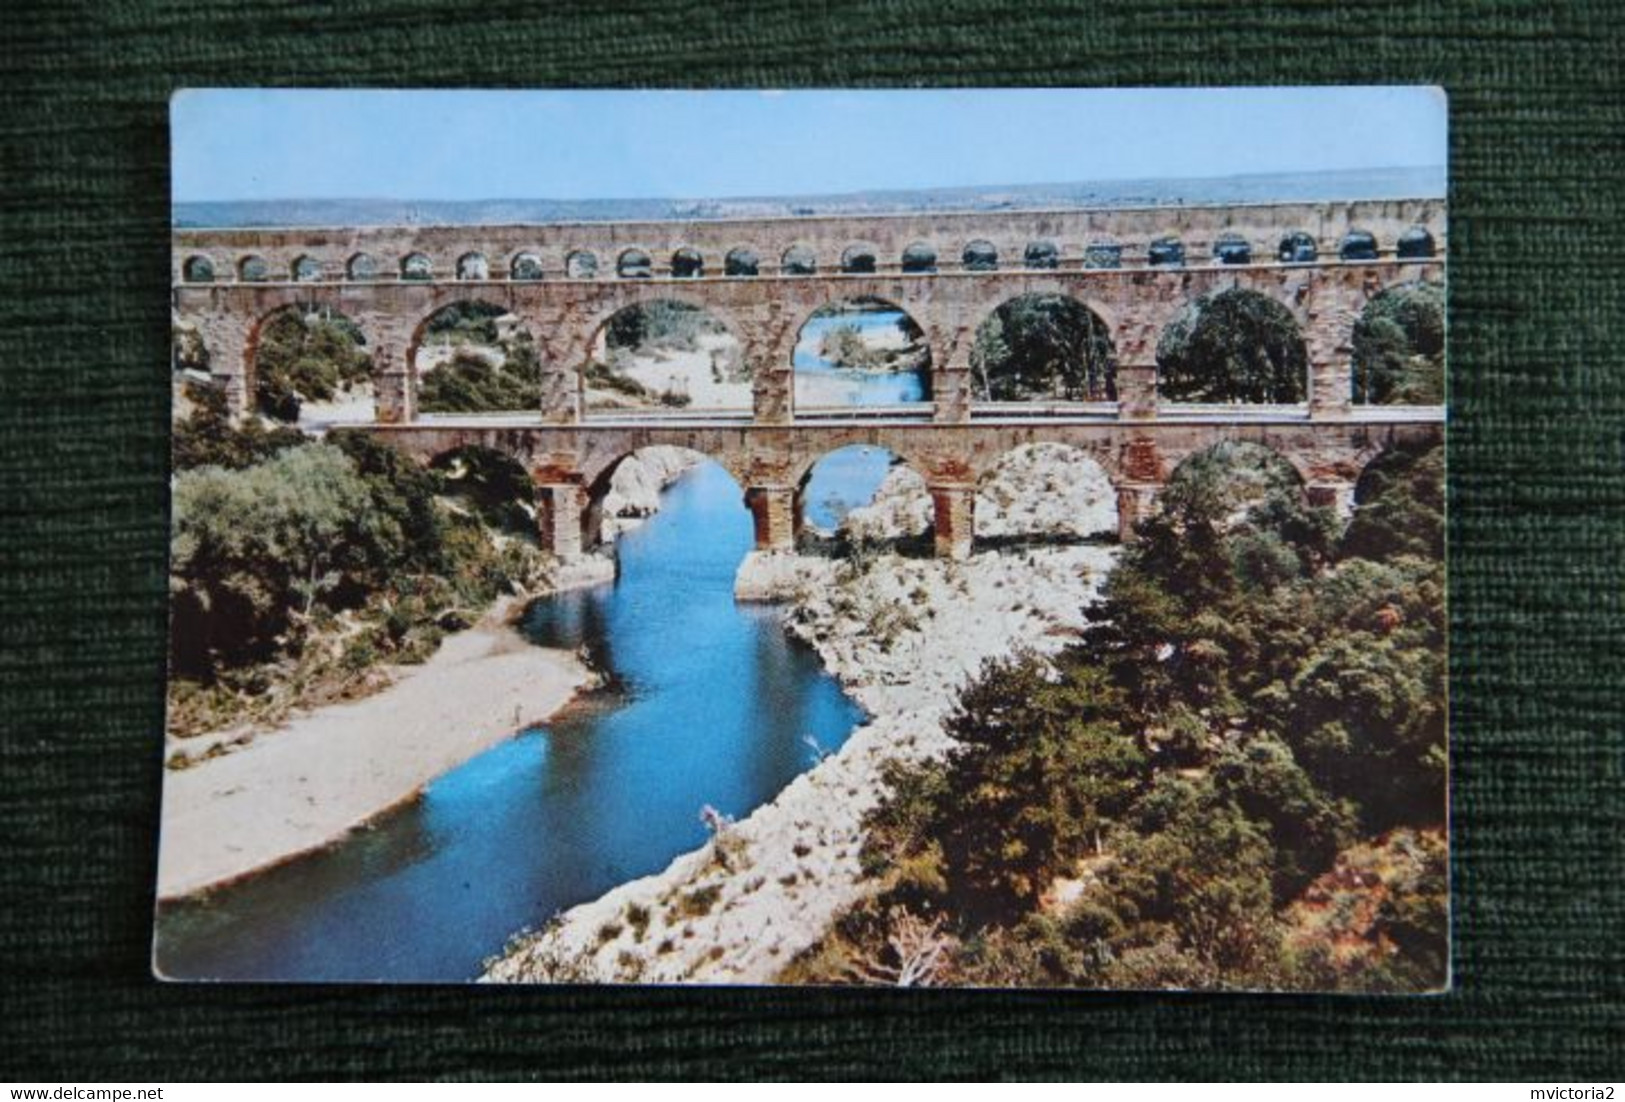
{"points": [[664, 352], [862, 351], [1234, 347], [1397, 354], [1044, 346], [1045, 492]]}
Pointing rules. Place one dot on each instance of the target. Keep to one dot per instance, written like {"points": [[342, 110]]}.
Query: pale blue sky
{"points": [[306, 144]]}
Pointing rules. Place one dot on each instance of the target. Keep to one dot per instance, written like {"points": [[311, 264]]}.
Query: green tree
{"points": [[307, 353], [253, 547], [1192, 875], [1037, 765], [1399, 347], [1237, 346]]}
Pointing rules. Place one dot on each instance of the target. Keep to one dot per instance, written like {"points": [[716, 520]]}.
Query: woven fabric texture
{"points": [[1537, 470]]}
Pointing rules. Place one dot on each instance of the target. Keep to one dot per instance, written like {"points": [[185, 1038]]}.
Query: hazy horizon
{"points": [[294, 145]]}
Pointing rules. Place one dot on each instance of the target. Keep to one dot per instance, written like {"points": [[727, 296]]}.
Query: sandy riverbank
{"points": [[903, 636], [307, 783]]}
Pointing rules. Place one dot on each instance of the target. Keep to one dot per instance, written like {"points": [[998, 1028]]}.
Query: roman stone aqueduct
{"points": [[1136, 269]]}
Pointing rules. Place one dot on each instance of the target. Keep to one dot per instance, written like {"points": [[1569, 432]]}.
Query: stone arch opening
{"points": [[1103, 253], [919, 257], [980, 256], [634, 264], [416, 267], [1045, 493], [798, 260], [474, 356], [862, 494], [253, 269], [473, 266], [666, 356], [362, 268], [197, 269], [491, 485], [1042, 256], [859, 260], [1233, 347], [741, 262], [525, 268], [687, 263], [860, 352], [581, 264], [1232, 248], [1235, 485], [1043, 347], [627, 491], [1166, 252], [1415, 243], [1398, 503], [1398, 347], [306, 269], [1358, 245], [307, 362], [1297, 248]]}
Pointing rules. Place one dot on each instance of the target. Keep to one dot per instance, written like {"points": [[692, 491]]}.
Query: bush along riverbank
{"points": [[901, 634], [1234, 779]]}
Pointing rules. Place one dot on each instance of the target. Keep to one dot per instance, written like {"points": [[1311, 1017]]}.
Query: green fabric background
{"points": [[1538, 314]]}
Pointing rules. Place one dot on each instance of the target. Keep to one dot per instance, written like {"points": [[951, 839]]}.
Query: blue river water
{"points": [[822, 383], [713, 703]]}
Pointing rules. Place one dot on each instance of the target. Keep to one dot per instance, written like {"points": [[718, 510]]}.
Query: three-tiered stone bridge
{"points": [[1136, 269]]}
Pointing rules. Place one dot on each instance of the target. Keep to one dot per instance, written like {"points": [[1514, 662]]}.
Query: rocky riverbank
{"points": [[903, 635]]}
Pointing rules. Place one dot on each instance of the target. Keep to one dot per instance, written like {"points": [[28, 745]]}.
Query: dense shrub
{"points": [[1235, 346], [1256, 698], [306, 354]]}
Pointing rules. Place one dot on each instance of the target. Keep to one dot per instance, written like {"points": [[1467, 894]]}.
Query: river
{"points": [[712, 704], [819, 382]]}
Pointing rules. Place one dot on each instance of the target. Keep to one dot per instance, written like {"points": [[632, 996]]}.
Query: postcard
{"points": [[985, 538]]}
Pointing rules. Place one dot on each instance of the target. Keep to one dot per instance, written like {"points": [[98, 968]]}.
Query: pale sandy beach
{"points": [[306, 784]]}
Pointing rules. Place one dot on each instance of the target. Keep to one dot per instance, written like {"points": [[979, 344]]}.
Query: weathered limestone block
{"points": [[771, 396], [561, 394], [395, 397], [1331, 391]]}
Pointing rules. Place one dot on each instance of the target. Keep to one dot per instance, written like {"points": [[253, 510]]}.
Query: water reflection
{"points": [[714, 706]]}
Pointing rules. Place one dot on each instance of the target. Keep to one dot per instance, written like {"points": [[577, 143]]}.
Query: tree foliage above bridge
{"points": [[1234, 346], [1044, 346], [490, 370], [1399, 347]]}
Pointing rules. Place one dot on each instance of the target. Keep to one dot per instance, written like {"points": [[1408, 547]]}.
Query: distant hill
{"points": [[1388, 183]]}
